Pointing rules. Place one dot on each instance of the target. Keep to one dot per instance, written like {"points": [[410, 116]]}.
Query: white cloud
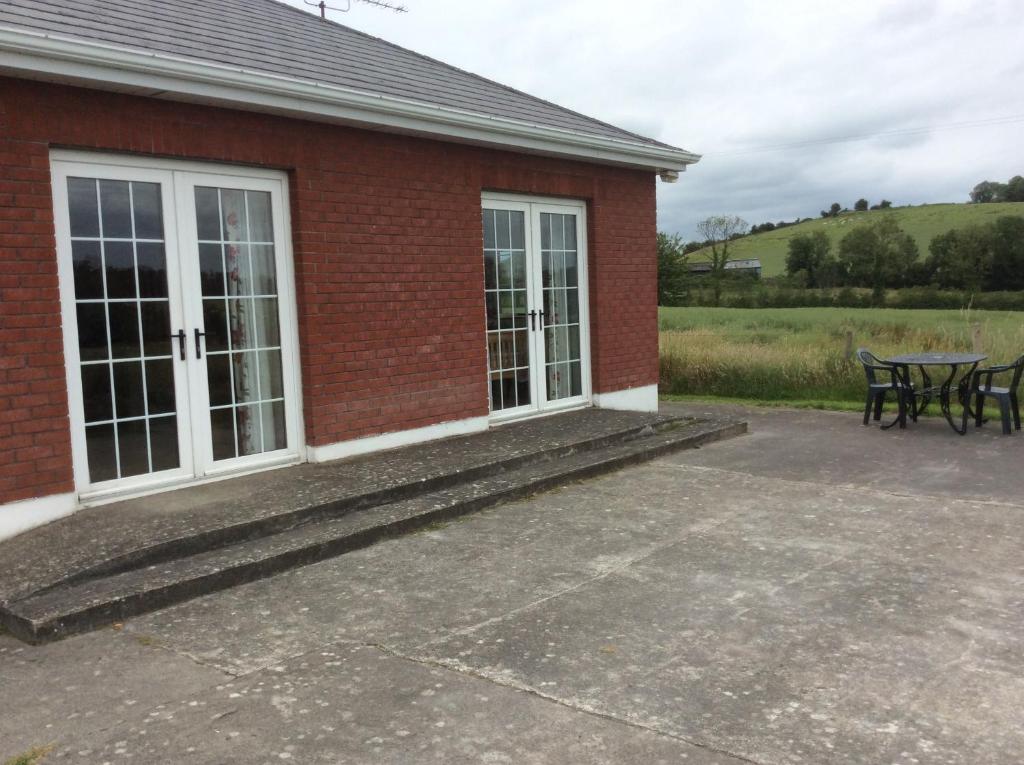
{"points": [[722, 78]]}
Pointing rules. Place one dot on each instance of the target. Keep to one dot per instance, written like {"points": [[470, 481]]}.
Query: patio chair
{"points": [[883, 377], [982, 388]]}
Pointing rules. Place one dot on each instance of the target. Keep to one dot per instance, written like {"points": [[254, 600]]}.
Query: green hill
{"points": [[922, 222]]}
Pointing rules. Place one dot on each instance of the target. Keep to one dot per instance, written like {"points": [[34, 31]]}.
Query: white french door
{"points": [[536, 304], [179, 321]]}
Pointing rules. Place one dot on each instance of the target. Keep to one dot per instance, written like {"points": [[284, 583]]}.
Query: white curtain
{"points": [[236, 257]]}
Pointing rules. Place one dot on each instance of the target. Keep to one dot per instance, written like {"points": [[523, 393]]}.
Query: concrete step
{"points": [[389, 490], [79, 606]]}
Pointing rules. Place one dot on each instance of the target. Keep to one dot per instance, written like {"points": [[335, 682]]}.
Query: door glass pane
{"points": [[249, 427], [239, 269], [265, 319], [238, 264], [218, 367], [505, 299], [133, 447], [119, 258], [211, 268], [88, 267], [559, 278], [129, 396], [208, 215], [222, 433], [215, 324], [261, 220], [92, 331], [99, 405], [159, 386], [102, 452], [115, 210], [122, 311], [243, 370], [156, 328], [273, 426], [149, 214], [152, 269], [83, 207], [163, 437], [264, 276], [124, 329]]}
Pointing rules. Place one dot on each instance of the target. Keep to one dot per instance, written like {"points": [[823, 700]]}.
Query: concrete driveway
{"points": [[815, 592]]}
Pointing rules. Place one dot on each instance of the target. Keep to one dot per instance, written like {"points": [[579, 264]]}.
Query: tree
{"points": [[718, 232], [811, 254], [673, 275], [1007, 253], [878, 256], [988, 191], [860, 205], [1014, 189], [885, 204], [962, 258], [835, 209]]}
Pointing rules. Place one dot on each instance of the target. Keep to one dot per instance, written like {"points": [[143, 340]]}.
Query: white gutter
{"points": [[37, 55]]}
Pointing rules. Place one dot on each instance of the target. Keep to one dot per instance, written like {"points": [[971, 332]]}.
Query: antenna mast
{"points": [[324, 7]]}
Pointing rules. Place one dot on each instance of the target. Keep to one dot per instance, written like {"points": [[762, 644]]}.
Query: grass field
{"points": [[923, 223], [797, 354]]}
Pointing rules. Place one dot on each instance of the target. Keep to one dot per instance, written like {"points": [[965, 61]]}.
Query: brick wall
{"points": [[389, 270]]}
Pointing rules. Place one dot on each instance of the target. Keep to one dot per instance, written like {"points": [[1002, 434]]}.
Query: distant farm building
{"points": [[750, 266]]}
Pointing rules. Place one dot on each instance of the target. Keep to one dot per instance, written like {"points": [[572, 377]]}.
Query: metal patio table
{"points": [[942, 391]]}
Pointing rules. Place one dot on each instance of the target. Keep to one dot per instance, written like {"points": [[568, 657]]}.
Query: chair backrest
{"points": [[1018, 368], [985, 377], [871, 364]]}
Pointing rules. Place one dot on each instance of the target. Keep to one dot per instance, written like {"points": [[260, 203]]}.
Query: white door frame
{"points": [[179, 229], [533, 206], [185, 184], [533, 349], [61, 170]]}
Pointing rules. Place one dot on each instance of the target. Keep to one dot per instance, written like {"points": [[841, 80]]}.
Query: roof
{"points": [[252, 43]]}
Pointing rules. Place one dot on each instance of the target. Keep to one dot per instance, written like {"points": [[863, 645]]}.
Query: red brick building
{"points": [[297, 242]]}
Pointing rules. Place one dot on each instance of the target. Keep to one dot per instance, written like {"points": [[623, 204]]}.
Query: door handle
{"points": [[199, 345], [533, 318], [180, 334], [540, 315]]}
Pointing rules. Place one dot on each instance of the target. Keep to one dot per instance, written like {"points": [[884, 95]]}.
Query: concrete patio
{"points": [[814, 592]]}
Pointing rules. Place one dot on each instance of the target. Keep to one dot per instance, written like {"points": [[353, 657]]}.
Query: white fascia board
{"points": [[36, 55]]}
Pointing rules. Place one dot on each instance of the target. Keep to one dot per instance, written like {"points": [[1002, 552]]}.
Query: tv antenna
{"points": [[324, 7]]}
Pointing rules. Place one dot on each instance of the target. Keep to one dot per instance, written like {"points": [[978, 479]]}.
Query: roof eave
{"points": [[44, 56]]}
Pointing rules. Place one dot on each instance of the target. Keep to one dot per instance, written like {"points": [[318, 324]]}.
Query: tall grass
{"points": [[799, 353]]}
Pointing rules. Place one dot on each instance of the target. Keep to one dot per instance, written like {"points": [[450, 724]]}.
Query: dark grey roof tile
{"points": [[271, 37]]}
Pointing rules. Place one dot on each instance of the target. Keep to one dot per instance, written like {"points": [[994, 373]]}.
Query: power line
{"points": [[1007, 120]]}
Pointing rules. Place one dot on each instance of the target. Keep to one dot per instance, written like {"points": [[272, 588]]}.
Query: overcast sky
{"points": [[728, 79]]}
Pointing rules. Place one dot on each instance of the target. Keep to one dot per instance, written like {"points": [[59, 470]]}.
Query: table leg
{"points": [[964, 394], [926, 390], [944, 397], [901, 399]]}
